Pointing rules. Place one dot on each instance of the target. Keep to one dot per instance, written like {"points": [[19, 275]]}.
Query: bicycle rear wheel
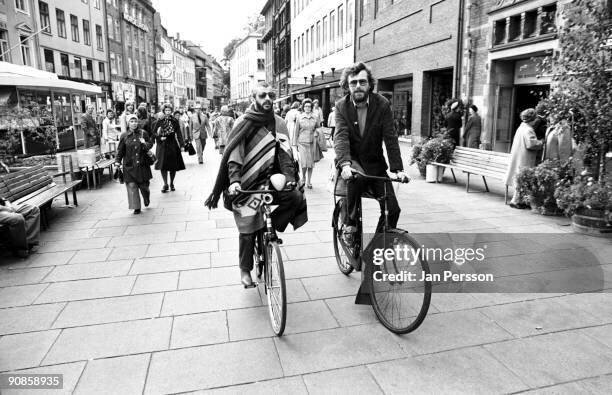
{"points": [[400, 303], [276, 289], [342, 252]]}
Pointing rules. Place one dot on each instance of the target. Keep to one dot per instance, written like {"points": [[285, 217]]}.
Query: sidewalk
{"points": [[151, 304]]}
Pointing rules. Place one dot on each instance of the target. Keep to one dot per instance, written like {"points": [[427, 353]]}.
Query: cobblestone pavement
{"points": [[151, 304]]}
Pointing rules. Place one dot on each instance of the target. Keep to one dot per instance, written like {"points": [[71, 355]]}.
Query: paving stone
{"points": [[225, 223], [224, 258], [447, 331], [182, 248], [206, 234], [301, 317], [122, 375], [155, 228], [553, 358], [127, 221], [539, 316], [28, 318], [347, 313], [158, 282], [68, 245], [602, 334], [295, 292], [87, 289], [66, 235], [110, 231], [469, 371], [309, 251], [310, 267], [225, 364], [230, 244], [561, 389], [596, 304], [109, 340], [355, 380], [101, 311], [597, 385], [170, 263], [21, 295], [289, 385], [331, 286], [23, 276], [95, 255], [25, 350], [336, 348], [142, 238], [78, 224], [128, 252], [82, 271], [194, 217], [50, 259], [70, 371], [199, 329], [209, 299], [204, 278]]}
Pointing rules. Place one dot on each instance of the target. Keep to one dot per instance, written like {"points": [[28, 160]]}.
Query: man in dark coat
{"points": [[363, 121], [453, 123], [90, 129]]}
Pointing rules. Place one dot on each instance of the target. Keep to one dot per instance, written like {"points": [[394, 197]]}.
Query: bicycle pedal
{"points": [[253, 285]]}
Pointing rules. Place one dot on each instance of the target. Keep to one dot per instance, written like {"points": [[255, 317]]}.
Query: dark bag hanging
{"points": [[118, 175], [189, 148]]}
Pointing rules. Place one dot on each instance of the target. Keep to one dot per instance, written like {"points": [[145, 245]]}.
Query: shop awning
{"points": [[23, 76]]}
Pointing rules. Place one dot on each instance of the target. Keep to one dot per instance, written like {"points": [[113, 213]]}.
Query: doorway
{"points": [[526, 96]]}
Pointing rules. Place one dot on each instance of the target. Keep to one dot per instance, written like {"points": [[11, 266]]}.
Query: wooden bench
{"points": [[479, 162], [101, 164], [36, 187]]}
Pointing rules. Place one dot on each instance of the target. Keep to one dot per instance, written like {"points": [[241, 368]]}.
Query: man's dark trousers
{"points": [[356, 188], [287, 202]]}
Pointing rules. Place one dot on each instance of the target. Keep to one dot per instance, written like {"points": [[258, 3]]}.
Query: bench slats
{"points": [[479, 164]]}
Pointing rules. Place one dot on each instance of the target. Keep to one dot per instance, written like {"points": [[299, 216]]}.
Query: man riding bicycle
{"points": [[258, 146], [363, 121]]}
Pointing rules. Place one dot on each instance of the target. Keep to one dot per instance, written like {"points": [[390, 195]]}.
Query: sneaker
{"points": [[348, 234], [137, 211]]}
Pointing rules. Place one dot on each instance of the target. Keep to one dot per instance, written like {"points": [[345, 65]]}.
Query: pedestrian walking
{"points": [[129, 109], [304, 140], [473, 128], [453, 123], [331, 121], [145, 122], [222, 126], [169, 142], [110, 134], [290, 118], [135, 161], [200, 127], [317, 111], [90, 128], [524, 152]]}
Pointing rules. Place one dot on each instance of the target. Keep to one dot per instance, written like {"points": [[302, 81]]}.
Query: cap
{"points": [[528, 115]]}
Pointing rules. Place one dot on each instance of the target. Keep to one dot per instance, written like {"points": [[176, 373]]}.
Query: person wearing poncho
{"points": [[258, 147]]}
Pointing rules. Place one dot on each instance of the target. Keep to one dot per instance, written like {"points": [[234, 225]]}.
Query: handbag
{"points": [[189, 148], [149, 158], [118, 175], [322, 139]]}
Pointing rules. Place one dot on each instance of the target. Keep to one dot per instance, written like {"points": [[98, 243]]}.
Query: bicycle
{"points": [[399, 304], [269, 262]]}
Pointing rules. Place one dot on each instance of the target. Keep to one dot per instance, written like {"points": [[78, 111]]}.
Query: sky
{"points": [[210, 23]]}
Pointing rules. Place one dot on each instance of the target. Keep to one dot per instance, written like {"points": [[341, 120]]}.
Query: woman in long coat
{"points": [[222, 126], [169, 142], [132, 156], [304, 138], [525, 147], [473, 128]]}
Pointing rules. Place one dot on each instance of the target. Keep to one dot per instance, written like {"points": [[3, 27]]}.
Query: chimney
{"points": [[178, 36]]}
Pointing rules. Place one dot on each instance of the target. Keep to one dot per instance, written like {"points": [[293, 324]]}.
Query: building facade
{"points": [[507, 42], [74, 45], [322, 44], [18, 21], [202, 72], [277, 44], [412, 49], [219, 94], [183, 81], [247, 68], [268, 13], [131, 43]]}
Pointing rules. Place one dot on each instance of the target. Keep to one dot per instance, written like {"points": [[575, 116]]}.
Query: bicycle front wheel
{"points": [[276, 289], [400, 291], [342, 252]]}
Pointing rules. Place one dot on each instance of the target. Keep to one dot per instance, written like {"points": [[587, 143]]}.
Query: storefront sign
{"points": [[530, 71], [134, 22], [123, 91]]}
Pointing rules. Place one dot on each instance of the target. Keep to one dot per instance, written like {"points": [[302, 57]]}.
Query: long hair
{"points": [[354, 70]]}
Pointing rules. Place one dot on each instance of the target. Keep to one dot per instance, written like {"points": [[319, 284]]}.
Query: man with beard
{"points": [[363, 121], [258, 146]]}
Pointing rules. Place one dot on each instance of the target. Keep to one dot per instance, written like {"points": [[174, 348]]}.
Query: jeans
{"points": [[356, 188], [24, 226]]}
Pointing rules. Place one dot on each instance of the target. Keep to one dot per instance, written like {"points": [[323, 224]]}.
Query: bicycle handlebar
{"points": [[387, 179], [290, 186]]}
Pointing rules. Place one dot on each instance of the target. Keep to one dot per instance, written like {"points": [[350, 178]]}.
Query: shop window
{"points": [[499, 32], [548, 18], [514, 33], [78, 68], [26, 53], [61, 22], [45, 21], [5, 55], [49, 61], [74, 27], [86, 32], [65, 64]]}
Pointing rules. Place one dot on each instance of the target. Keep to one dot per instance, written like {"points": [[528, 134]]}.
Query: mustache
{"points": [[266, 102]]}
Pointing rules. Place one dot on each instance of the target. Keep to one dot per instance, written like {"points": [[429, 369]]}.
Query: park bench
{"points": [[479, 162], [100, 163], [36, 187]]}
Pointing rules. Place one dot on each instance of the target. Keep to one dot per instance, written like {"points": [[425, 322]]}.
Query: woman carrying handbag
{"points": [[169, 142], [134, 160]]}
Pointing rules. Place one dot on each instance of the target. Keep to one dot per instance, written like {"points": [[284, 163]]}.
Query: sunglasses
{"points": [[263, 95], [354, 83]]}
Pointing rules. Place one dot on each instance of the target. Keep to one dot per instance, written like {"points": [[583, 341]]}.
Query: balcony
{"points": [[527, 27]]}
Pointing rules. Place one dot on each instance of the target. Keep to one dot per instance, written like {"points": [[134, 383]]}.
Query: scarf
{"points": [[253, 121]]}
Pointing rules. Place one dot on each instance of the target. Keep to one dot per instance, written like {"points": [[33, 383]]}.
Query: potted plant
{"points": [[538, 185], [588, 202], [438, 149]]}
